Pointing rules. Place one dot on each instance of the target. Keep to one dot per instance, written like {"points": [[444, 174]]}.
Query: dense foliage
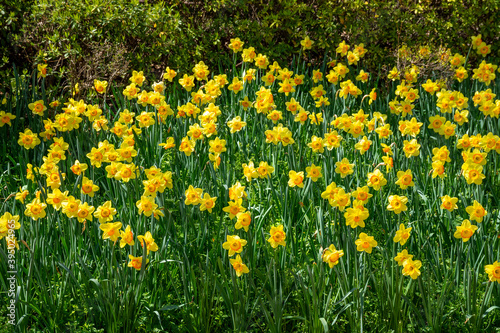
{"points": [[106, 38]]}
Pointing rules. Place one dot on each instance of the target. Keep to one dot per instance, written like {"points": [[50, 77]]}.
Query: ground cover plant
{"points": [[258, 197]]}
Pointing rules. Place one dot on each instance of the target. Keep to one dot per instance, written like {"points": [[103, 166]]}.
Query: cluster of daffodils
{"points": [[234, 244], [370, 131], [476, 213], [357, 125], [118, 163]]}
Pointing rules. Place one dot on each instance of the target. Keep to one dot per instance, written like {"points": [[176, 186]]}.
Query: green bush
{"points": [[108, 38], [12, 19]]}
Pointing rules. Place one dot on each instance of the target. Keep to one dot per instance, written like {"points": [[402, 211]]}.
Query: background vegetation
{"points": [[107, 38]]}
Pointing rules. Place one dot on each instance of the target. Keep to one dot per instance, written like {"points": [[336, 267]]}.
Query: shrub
{"points": [[153, 34]]}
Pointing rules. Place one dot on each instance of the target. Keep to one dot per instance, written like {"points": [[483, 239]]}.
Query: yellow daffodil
{"points": [[277, 237]]}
